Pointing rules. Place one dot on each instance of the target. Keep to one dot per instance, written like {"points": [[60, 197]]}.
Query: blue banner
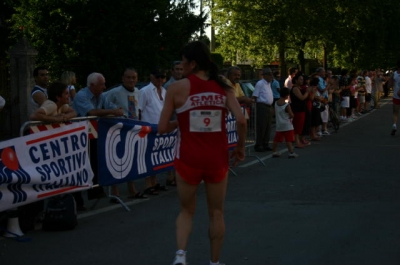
{"points": [[231, 132], [130, 149]]}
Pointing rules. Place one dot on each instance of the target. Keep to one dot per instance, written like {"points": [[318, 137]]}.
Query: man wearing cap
{"points": [[151, 102], [263, 97]]}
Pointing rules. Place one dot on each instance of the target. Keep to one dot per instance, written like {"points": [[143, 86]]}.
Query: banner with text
{"points": [[130, 149], [44, 164]]}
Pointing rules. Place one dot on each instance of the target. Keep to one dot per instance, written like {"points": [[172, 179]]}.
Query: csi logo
{"points": [[120, 151], [12, 174]]}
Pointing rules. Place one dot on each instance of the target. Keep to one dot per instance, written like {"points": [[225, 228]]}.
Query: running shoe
{"points": [[293, 155], [276, 154], [180, 259], [325, 133]]}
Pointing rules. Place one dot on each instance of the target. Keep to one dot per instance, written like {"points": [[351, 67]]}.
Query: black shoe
{"points": [[267, 148], [259, 149], [80, 208], [158, 187], [114, 200], [96, 193]]}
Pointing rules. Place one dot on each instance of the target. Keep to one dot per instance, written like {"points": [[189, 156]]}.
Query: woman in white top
{"points": [[56, 109]]}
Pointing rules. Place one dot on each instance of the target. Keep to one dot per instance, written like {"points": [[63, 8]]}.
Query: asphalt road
{"points": [[338, 203]]}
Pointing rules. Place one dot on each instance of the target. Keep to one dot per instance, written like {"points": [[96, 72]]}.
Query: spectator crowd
{"points": [[300, 105]]}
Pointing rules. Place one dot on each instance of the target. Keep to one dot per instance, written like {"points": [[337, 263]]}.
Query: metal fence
{"points": [[249, 111]]}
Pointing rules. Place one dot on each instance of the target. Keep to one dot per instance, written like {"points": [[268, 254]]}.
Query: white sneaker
{"points": [[293, 155], [276, 154], [325, 133], [180, 259], [319, 133]]}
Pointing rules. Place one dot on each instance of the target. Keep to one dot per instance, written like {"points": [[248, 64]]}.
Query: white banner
{"points": [[44, 164]]}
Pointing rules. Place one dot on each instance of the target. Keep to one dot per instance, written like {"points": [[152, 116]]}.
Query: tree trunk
{"points": [[300, 56], [325, 60], [212, 43]]}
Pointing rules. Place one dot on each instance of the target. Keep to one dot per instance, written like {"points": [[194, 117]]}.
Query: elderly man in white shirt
{"points": [[151, 102], [263, 97]]}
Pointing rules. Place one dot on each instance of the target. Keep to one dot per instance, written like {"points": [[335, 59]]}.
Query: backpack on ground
{"points": [[60, 213]]}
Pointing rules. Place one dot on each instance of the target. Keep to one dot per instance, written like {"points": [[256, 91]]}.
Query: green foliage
{"points": [[354, 34], [105, 36], [86, 36]]}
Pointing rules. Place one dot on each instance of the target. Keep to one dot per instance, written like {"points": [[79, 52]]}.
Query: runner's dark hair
{"points": [[199, 52]]}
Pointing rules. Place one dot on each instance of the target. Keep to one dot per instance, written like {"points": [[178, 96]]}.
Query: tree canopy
{"points": [[350, 34], [105, 36]]}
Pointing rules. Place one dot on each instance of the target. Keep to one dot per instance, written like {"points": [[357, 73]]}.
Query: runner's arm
{"points": [[165, 125]]}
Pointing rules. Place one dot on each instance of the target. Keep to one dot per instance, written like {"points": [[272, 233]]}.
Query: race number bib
{"points": [[205, 120]]}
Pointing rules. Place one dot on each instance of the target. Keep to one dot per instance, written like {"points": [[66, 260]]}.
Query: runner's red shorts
{"points": [[194, 176]]}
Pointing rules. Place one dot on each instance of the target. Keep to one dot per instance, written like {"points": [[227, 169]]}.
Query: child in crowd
{"points": [[284, 126]]}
